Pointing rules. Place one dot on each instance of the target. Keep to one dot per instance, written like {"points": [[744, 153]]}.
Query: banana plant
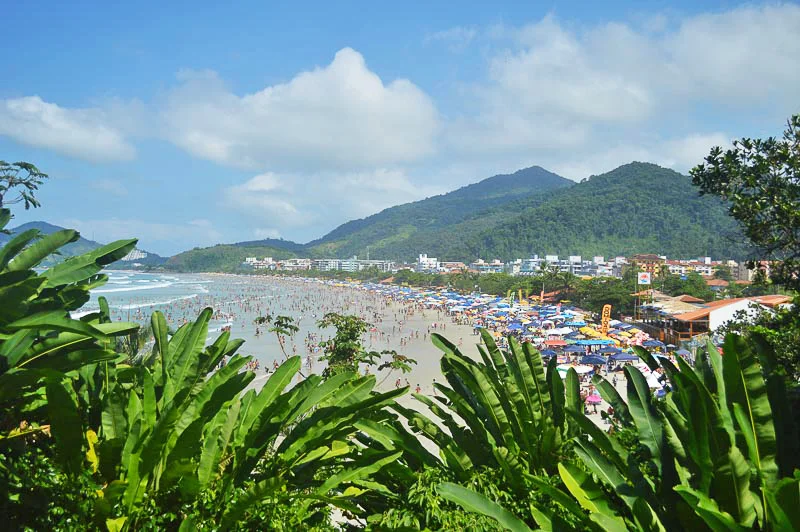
{"points": [[719, 453], [41, 345], [507, 413], [184, 421]]}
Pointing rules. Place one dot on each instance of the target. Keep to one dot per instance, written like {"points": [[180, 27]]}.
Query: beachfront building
{"points": [[294, 264], [351, 265], [481, 266], [260, 264], [452, 267], [674, 323], [427, 264]]}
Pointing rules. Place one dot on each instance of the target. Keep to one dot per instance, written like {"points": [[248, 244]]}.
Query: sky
{"points": [[195, 123]]}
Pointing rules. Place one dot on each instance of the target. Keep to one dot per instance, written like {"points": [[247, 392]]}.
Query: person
{"points": [[418, 389], [397, 383]]}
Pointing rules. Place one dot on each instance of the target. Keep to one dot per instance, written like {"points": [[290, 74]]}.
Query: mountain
{"points": [[80, 246], [222, 257], [275, 243], [636, 208], [396, 232]]}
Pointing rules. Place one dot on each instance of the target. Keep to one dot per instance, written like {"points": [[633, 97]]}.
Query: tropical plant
{"points": [[182, 427], [505, 416], [719, 453], [23, 176]]}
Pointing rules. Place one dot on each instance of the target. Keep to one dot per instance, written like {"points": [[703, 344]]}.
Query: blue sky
{"points": [[193, 123]]}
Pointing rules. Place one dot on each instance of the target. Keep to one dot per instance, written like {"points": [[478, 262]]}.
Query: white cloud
{"points": [[456, 38], [341, 116], [321, 200], [81, 133], [575, 90]]}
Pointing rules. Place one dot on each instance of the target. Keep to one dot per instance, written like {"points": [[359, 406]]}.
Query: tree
{"points": [[24, 177], [344, 352], [761, 180], [723, 272]]}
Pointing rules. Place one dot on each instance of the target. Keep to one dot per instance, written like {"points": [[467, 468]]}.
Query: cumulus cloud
{"points": [[573, 88], [86, 133], [302, 204], [341, 115]]}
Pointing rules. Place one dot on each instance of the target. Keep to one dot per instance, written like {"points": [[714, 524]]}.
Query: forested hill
{"points": [[222, 258], [636, 208], [392, 233]]}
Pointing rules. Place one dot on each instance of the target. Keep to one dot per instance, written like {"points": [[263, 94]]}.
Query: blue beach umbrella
{"points": [[653, 343], [683, 352], [609, 350], [623, 357], [548, 353], [593, 360], [574, 349]]}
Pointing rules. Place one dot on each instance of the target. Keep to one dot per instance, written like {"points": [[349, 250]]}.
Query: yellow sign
{"points": [[606, 317]]}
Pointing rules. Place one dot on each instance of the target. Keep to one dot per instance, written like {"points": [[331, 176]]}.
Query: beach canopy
{"points": [[609, 350], [594, 360], [574, 349], [555, 343], [623, 357], [596, 341], [652, 343]]}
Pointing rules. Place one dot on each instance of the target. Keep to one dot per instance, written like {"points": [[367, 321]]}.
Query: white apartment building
{"points": [[427, 264]]}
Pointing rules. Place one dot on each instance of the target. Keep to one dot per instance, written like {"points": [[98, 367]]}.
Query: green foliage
{"points": [[403, 231], [222, 258], [637, 208], [22, 177], [345, 352], [761, 181], [720, 452]]}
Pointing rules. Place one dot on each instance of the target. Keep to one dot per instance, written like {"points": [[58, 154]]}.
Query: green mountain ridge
{"points": [[393, 232]]}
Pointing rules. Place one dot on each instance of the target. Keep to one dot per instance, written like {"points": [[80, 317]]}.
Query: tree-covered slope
{"points": [[394, 232], [636, 208], [222, 258]]}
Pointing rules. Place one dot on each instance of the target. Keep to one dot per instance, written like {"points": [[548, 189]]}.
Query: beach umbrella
{"points": [[652, 343], [623, 357], [574, 349], [593, 360], [609, 350], [594, 399], [683, 352], [548, 353]]}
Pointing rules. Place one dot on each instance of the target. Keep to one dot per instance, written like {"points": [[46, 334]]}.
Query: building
{"points": [[452, 267], [427, 264], [679, 322], [481, 266], [326, 265], [649, 262], [260, 264]]}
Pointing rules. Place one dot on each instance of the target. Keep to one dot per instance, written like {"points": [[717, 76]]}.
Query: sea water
{"points": [[236, 302]]}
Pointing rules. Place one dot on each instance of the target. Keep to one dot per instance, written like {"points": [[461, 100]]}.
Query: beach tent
{"points": [[595, 360], [609, 350], [623, 357], [652, 343], [574, 349]]}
